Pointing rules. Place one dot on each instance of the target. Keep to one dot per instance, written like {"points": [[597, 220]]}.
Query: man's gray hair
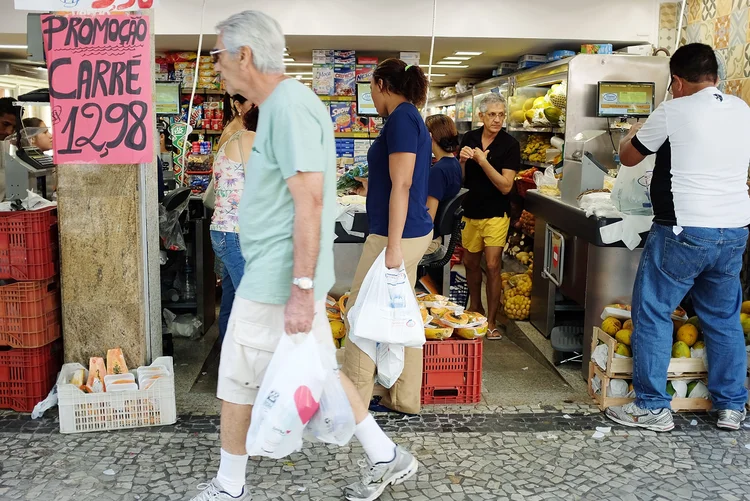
{"points": [[490, 100], [261, 33]]}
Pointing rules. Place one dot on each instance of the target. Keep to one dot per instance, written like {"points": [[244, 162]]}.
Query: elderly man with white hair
{"points": [[490, 158], [287, 218]]}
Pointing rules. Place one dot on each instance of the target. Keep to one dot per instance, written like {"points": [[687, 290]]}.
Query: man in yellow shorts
{"points": [[490, 158]]}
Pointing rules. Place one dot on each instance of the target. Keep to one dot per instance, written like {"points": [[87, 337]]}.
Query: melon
{"points": [[116, 362]]}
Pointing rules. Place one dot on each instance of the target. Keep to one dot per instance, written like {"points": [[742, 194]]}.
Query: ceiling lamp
{"points": [[460, 53]]}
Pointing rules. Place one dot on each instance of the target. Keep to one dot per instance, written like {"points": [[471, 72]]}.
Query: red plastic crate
{"points": [[29, 314], [452, 371], [27, 375], [28, 244]]}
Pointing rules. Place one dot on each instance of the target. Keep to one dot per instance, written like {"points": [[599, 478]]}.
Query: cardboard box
{"points": [[601, 48], [345, 57], [367, 60], [344, 80], [559, 54], [341, 116], [323, 80], [364, 72], [322, 56]]}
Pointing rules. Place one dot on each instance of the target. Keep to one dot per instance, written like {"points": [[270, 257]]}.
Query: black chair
{"points": [[448, 222]]}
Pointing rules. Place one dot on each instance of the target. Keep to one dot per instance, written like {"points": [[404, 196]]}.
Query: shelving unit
{"points": [[553, 130], [538, 165]]}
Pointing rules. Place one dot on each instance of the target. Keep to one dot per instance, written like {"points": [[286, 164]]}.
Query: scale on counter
{"points": [[26, 167]]}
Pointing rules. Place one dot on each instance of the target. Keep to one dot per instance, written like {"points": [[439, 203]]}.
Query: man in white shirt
{"points": [[696, 244]]}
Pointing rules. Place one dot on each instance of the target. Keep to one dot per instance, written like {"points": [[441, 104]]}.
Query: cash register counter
{"points": [[591, 274], [347, 249]]}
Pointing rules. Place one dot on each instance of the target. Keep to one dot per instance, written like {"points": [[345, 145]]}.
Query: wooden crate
{"points": [[622, 368], [603, 401]]}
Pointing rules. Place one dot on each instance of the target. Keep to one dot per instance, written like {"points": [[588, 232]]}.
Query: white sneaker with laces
{"points": [[376, 477], [213, 491], [731, 420]]}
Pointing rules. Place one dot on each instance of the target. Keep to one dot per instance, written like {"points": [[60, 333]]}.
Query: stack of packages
{"points": [[185, 67], [30, 319]]}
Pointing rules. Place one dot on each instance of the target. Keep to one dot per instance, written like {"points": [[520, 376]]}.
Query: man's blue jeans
{"points": [[705, 262], [227, 249]]}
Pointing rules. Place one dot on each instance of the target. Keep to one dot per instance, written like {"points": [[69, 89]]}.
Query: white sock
{"points": [[378, 447], [232, 471]]}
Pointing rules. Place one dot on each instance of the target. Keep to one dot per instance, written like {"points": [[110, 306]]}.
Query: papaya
{"points": [[517, 117], [97, 371], [552, 114], [116, 362], [437, 332]]}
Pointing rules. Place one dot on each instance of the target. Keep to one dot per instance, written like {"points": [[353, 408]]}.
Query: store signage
{"points": [[85, 5], [100, 88]]}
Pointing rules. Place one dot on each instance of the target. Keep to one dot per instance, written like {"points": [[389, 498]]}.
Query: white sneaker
{"points": [[213, 491], [636, 417], [376, 477], [731, 420]]}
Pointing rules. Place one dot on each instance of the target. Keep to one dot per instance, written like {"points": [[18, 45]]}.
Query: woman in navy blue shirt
{"points": [[445, 174], [399, 166]]}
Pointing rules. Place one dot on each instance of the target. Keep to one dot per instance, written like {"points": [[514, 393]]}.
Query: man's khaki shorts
{"points": [[253, 333]]}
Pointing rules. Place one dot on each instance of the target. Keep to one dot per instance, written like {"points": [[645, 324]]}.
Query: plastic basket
{"points": [[27, 375], [28, 244], [459, 293], [29, 314], [83, 412], [452, 372]]}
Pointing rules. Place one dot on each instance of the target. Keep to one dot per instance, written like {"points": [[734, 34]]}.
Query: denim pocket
{"points": [[681, 260], [733, 264], [218, 242]]}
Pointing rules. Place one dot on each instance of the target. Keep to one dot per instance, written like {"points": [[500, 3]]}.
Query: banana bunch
{"points": [[536, 149]]}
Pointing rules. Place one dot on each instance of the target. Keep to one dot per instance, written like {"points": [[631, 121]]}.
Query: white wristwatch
{"points": [[304, 283]]}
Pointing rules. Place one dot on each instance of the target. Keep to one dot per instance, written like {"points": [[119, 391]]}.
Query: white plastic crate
{"points": [[83, 412]]}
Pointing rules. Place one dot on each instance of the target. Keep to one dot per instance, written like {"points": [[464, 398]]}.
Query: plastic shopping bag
{"points": [[386, 310], [631, 194], [334, 422], [390, 363], [288, 398]]}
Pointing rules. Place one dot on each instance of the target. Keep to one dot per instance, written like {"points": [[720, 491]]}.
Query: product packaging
{"points": [[376, 124], [344, 80], [322, 56], [323, 80], [341, 117], [365, 72], [602, 48], [559, 54], [345, 57], [531, 60]]}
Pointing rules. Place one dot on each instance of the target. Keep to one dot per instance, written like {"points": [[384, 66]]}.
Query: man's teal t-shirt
{"points": [[294, 135]]}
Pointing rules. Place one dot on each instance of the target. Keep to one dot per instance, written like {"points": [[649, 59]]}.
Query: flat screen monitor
{"points": [[365, 105], [167, 98], [625, 99]]}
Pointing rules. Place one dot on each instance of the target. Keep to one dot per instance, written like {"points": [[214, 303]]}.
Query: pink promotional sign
{"points": [[100, 88]]}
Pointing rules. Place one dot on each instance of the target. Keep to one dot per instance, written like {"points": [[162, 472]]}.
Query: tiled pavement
{"points": [[510, 454]]}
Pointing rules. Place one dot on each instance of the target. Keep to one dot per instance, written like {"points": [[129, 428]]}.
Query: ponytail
{"points": [[405, 80]]}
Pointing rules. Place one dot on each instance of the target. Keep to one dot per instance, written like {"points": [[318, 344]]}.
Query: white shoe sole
{"points": [[395, 479], [728, 427], [651, 427]]}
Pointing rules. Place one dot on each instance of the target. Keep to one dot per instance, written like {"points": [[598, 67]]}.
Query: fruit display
{"points": [[518, 242], [535, 149], [445, 319], [336, 319], [547, 110], [527, 223], [517, 296]]}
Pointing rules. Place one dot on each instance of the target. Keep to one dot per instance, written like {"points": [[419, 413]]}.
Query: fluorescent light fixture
{"points": [[436, 75], [304, 78], [448, 62], [445, 67], [286, 63], [468, 53], [299, 73], [288, 59], [14, 47], [458, 58]]}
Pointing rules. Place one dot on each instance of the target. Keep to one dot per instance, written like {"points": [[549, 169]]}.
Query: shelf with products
{"points": [[186, 91], [342, 99], [553, 130], [208, 132], [355, 135], [539, 165]]}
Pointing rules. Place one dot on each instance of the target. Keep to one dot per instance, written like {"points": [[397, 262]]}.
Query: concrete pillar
{"points": [[109, 250]]}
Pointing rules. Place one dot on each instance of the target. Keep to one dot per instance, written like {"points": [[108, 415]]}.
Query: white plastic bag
{"points": [[334, 422], [631, 194], [386, 310], [390, 363], [288, 398], [546, 182], [46, 404]]}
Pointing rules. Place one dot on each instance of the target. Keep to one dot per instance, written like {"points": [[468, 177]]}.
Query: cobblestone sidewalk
{"points": [[507, 456]]}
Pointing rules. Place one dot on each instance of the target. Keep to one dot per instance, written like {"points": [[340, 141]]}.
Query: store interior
{"points": [[561, 70]]}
